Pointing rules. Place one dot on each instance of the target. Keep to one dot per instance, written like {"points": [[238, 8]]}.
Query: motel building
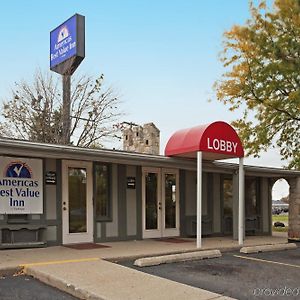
{"points": [[57, 195]]}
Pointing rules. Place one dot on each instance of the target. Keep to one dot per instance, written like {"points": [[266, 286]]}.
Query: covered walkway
{"points": [[213, 141]]}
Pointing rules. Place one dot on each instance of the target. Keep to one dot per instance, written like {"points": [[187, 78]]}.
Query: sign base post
{"points": [[66, 109]]}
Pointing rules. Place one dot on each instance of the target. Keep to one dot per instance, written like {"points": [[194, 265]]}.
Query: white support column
{"points": [[199, 199], [241, 223]]}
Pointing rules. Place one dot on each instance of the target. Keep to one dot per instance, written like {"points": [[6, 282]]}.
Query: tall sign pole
{"points": [[67, 50], [66, 111]]}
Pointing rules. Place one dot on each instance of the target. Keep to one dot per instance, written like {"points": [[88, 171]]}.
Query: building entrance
{"points": [[77, 205], [160, 202]]}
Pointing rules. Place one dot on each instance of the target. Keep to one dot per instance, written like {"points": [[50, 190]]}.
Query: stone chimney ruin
{"points": [[141, 139]]}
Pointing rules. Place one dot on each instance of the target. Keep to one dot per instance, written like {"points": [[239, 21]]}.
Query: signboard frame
{"points": [[50, 178], [70, 64], [131, 182]]}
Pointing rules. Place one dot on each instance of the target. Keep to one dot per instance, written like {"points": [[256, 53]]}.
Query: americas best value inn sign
{"points": [[67, 45], [63, 42], [21, 186]]}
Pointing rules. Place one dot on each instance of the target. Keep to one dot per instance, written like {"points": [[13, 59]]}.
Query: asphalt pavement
{"points": [[88, 274], [271, 275], [23, 287]]}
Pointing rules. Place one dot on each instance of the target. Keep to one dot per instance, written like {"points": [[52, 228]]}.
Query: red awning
{"points": [[217, 140]]}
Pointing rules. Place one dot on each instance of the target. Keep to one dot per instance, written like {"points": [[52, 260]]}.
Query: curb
{"points": [[117, 259], [9, 271], [164, 259], [293, 240], [266, 248], [62, 285], [83, 293]]}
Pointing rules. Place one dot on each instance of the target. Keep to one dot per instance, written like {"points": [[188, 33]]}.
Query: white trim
{"points": [[241, 222], [44, 150], [166, 232], [161, 231], [151, 233], [199, 199], [85, 237]]}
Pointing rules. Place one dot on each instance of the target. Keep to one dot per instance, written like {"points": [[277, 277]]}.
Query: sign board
{"points": [[50, 177], [131, 182], [21, 185], [67, 45]]}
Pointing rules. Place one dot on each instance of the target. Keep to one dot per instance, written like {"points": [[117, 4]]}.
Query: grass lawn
{"points": [[280, 229], [280, 218]]}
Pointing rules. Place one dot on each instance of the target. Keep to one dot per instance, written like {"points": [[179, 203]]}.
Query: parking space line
{"points": [[267, 261], [55, 262]]}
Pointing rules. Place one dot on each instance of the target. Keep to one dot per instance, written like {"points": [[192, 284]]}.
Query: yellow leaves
{"points": [[262, 5], [241, 42], [294, 97], [240, 72], [262, 78], [234, 32]]}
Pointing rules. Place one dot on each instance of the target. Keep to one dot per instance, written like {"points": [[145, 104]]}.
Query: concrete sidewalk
{"points": [[127, 250], [109, 281], [86, 274]]}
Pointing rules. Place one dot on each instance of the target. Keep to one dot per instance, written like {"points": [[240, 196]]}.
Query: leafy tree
{"points": [[34, 111], [262, 61]]}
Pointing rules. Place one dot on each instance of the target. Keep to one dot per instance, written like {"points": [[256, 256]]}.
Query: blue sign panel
{"points": [[63, 42]]}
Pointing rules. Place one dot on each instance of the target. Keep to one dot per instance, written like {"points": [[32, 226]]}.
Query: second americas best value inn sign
{"points": [[21, 185]]}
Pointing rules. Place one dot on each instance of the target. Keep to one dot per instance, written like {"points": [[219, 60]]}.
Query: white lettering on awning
{"points": [[222, 145]]}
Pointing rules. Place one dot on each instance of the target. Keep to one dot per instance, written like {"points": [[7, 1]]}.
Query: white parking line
{"points": [[267, 261]]}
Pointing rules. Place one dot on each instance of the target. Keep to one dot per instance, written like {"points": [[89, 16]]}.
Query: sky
{"points": [[161, 56]]}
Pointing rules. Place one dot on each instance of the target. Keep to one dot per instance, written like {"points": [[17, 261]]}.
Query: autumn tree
{"points": [[262, 78], [34, 111]]}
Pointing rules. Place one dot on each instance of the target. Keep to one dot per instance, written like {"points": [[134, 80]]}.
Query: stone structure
{"points": [[294, 209], [142, 139]]}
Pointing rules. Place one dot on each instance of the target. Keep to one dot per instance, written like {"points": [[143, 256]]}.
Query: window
{"points": [[227, 196], [227, 190], [102, 191], [251, 196]]}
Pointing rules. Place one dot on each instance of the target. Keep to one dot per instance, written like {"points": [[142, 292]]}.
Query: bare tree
{"points": [[34, 111]]}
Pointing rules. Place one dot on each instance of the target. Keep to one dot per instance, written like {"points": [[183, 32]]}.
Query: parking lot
{"points": [[270, 275], [27, 288]]}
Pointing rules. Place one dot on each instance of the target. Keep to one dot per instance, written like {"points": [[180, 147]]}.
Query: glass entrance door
{"points": [[160, 203], [170, 200], [77, 200], [77, 207], [151, 203]]}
